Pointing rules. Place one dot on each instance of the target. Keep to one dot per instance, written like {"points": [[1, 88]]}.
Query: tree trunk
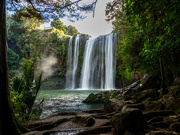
{"points": [[8, 125]]}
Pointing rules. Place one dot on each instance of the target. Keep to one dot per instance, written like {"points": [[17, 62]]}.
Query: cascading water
{"points": [[99, 64], [75, 61], [72, 63], [69, 65]]}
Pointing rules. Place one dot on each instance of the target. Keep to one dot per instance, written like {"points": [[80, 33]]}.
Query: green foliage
{"points": [[24, 90], [70, 30], [148, 37], [20, 107], [13, 59], [56, 23], [113, 94], [177, 111]]}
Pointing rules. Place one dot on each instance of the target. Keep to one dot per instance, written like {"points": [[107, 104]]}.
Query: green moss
{"points": [[177, 111], [145, 101]]}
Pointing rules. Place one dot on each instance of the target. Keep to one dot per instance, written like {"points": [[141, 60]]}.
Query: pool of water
{"points": [[56, 101]]}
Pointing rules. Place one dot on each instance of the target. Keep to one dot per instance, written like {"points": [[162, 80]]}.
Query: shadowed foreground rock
{"points": [[146, 112], [129, 119]]}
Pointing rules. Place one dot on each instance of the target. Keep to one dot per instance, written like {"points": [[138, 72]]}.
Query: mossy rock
{"points": [[143, 95], [101, 97], [148, 82]]}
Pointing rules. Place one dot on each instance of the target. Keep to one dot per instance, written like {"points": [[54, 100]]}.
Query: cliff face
{"points": [[57, 80]]}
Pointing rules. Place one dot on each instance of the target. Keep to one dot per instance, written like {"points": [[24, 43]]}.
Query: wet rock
{"points": [[151, 114], [114, 105], [154, 106], [143, 95], [175, 127], [85, 120], [98, 98], [161, 133], [130, 119], [103, 96]]}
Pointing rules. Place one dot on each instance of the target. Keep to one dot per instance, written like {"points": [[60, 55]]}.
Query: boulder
{"points": [[103, 96], [170, 102], [143, 95], [177, 81], [114, 105], [167, 100], [175, 127], [85, 120], [148, 82], [98, 98], [154, 106], [130, 119], [175, 104]]}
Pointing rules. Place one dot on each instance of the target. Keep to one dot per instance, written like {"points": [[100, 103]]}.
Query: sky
{"points": [[93, 26]]}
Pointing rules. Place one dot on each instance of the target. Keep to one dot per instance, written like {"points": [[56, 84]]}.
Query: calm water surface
{"points": [[56, 101]]}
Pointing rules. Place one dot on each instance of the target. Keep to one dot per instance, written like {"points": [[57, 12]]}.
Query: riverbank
{"points": [[142, 108]]}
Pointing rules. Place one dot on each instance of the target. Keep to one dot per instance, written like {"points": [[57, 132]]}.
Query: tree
{"points": [[56, 23], [70, 30], [8, 123], [150, 41]]}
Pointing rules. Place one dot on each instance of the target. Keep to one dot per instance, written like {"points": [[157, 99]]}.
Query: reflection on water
{"points": [[56, 101]]}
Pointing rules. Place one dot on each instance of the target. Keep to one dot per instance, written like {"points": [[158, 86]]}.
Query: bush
{"points": [[24, 91]]}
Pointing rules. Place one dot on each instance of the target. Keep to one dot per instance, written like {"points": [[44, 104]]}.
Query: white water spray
{"points": [[99, 64], [75, 61], [69, 65], [72, 63]]}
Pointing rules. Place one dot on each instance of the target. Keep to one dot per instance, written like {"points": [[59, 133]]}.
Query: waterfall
{"points": [[75, 61], [72, 63], [99, 65], [69, 65]]}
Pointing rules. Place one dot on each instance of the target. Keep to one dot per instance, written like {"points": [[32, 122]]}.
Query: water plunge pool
{"points": [[56, 101]]}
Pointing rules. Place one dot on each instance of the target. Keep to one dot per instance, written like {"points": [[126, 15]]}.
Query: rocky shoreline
{"points": [[139, 109]]}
